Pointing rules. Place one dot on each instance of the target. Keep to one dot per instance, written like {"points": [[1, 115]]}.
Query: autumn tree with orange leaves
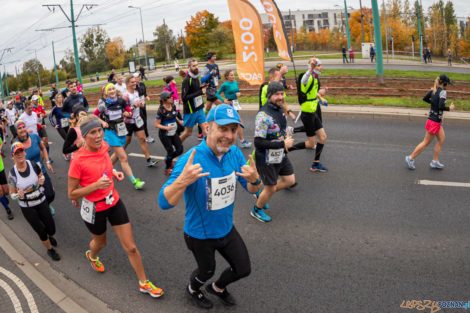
{"points": [[205, 33], [115, 52]]}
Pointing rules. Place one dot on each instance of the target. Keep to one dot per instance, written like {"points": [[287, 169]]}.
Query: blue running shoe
{"points": [[256, 195], [436, 164], [410, 162], [318, 167], [245, 144], [260, 215]]}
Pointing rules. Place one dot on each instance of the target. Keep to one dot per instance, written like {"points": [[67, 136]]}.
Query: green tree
{"points": [[164, 35], [92, 47]]}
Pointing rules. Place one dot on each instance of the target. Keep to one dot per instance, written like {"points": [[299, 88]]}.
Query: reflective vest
{"points": [[310, 106]]}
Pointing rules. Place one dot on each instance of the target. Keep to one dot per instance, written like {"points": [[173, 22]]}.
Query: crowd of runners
{"points": [[206, 175]]}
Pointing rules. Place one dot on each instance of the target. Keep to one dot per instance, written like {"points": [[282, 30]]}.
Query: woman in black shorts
{"points": [[26, 182], [91, 169]]}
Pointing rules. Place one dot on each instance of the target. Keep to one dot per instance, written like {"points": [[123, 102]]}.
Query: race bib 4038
{"points": [[221, 192]]}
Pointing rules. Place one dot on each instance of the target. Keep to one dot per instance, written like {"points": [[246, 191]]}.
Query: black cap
{"points": [[443, 78]]}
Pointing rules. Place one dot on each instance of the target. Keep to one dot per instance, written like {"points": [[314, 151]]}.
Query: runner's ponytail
{"points": [[436, 84]]}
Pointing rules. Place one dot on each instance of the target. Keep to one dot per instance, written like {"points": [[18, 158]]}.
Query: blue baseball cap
{"points": [[224, 114]]}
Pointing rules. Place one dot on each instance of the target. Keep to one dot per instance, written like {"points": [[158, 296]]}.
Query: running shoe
{"points": [[95, 264], [138, 184], [52, 210], [256, 195], [168, 171], [53, 254], [318, 167], [200, 299], [53, 241], [260, 215], [151, 162], [436, 164], [410, 162], [200, 137], [149, 139], [10, 215], [148, 287], [225, 296], [245, 144]]}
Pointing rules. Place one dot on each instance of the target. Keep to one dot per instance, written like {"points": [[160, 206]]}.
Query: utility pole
{"points": [[347, 25], [413, 46], [378, 43], [391, 40], [362, 21], [385, 27], [72, 19], [420, 33], [55, 66], [143, 37], [182, 42], [6, 79], [1, 81], [166, 45]]}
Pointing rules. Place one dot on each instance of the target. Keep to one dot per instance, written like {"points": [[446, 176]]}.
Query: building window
{"points": [[326, 23]]}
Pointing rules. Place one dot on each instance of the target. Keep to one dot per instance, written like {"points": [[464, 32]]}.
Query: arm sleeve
{"points": [[427, 97], [185, 90], [206, 76], [443, 101], [52, 117], [263, 144], [177, 170], [221, 89], [304, 80], [69, 145]]}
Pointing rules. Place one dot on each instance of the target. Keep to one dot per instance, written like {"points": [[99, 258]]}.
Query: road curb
{"points": [[70, 297]]}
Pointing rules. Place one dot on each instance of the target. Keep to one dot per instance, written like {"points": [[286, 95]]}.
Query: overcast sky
{"points": [[19, 20]]}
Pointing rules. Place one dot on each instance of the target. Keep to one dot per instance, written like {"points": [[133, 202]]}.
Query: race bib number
{"points": [[198, 101], [216, 81], [64, 122], [177, 104], [139, 122], [221, 192], [236, 105], [87, 211], [275, 156], [121, 129], [172, 132]]}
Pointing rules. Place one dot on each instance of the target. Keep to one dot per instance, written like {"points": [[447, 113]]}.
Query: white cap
{"points": [[318, 61], [34, 98], [136, 74]]}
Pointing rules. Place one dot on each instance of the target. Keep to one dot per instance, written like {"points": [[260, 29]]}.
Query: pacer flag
{"points": [[275, 17], [246, 25]]}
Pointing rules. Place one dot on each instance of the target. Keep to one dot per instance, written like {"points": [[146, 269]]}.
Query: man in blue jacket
{"points": [[207, 177]]}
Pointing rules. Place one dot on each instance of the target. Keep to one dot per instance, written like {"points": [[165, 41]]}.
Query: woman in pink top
{"points": [[171, 87], [79, 87]]}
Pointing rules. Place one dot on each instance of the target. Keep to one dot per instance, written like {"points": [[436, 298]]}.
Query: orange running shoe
{"points": [[148, 287], [95, 264]]}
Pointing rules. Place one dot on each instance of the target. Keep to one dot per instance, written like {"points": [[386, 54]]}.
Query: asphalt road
{"points": [[361, 238]]}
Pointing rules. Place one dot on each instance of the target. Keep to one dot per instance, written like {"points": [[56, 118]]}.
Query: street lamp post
{"points": [[143, 38]]}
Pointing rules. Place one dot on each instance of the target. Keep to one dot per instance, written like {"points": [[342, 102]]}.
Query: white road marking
{"points": [[443, 183], [139, 155], [14, 299], [26, 293]]}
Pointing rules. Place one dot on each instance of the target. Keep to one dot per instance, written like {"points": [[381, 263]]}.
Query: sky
{"points": [[20, 19]]}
